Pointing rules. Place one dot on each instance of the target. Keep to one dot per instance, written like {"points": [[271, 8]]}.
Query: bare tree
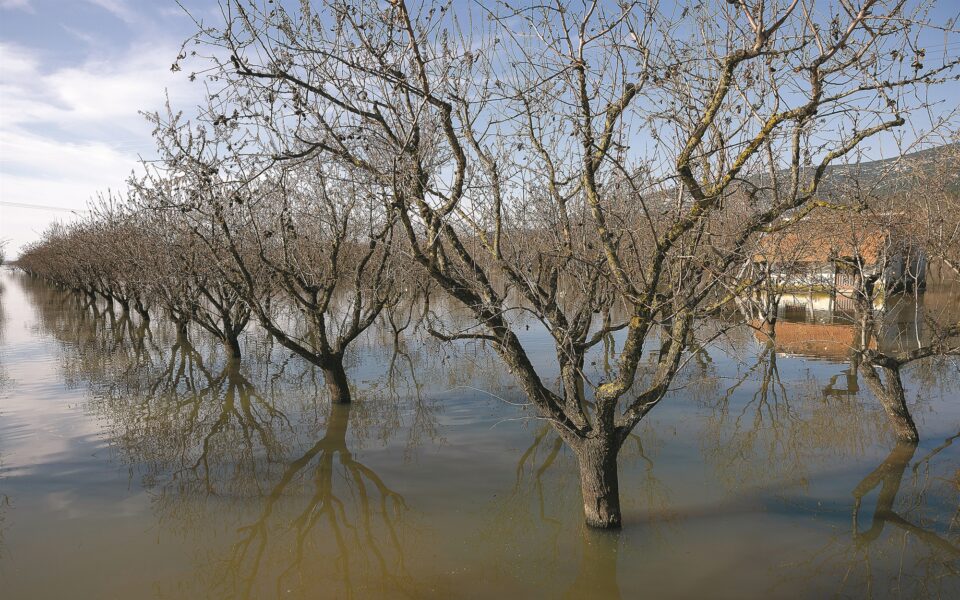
{"points": [[307, 248], [932, 202], [571, 161], [105, 255], [881, 349], [185, 279]]}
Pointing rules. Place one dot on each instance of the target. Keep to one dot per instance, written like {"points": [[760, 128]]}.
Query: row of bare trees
{"points": [[602, 167]]}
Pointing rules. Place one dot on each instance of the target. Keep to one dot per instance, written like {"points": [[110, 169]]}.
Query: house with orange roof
{"points": [[836, 256]]}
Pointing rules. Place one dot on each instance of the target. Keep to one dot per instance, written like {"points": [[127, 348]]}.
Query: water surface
{"points": [[136, 464]]}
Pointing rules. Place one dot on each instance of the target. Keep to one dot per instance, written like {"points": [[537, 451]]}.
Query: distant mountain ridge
{"points": [[889, 176]]}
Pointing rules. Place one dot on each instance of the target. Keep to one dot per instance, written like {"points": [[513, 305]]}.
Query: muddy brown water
{"points": [[134, 464]]}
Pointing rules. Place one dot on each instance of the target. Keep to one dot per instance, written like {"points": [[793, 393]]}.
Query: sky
{"points": [[74, 76]]}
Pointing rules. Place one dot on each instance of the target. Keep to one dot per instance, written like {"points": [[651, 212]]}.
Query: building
{"points": [[836, 256]]}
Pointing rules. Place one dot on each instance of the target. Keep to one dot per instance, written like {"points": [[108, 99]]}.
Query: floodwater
{"points": [[134, 464]]}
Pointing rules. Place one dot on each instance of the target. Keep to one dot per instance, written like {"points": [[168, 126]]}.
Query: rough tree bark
{"points": [[599, 484], [892, 397]]}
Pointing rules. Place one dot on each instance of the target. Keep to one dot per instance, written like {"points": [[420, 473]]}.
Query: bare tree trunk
{"points": [[888, 390], [334, 375], [893, 399], [573, 386], [895, 405], [771, 310], [232, 342], [599, 486], [142, 311]]}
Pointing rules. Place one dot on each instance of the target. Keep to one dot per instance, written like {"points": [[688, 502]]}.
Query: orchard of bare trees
{"points": [[603, 168]]}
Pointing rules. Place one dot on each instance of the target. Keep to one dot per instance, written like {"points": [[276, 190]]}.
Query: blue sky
{"points": [[74, 75]]}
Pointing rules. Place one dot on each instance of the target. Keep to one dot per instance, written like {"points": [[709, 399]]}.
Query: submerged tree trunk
{"points": [[770, 311], [895, 405], [893, 399], [182, 328], [599, 486], [232, 342], [142, 311], [335, 377], [597, 577]]}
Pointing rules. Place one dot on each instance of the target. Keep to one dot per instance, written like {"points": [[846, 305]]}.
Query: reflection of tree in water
{"points": [[202, 427], [597, 572], [345, 501], [766, 428], [219, 444], [530, 519], [320, 515], [845, 383], [92, 340], [904, 534], [928, 482], [245, 456]]}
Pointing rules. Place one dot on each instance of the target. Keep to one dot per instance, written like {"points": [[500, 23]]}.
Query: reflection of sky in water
{"points": [[741, 483], [38, 428]]}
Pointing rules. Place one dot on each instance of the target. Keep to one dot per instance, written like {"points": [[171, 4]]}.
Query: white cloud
{"points": [[118, 8], [68, 132], [96, 93], [16, 63]]}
